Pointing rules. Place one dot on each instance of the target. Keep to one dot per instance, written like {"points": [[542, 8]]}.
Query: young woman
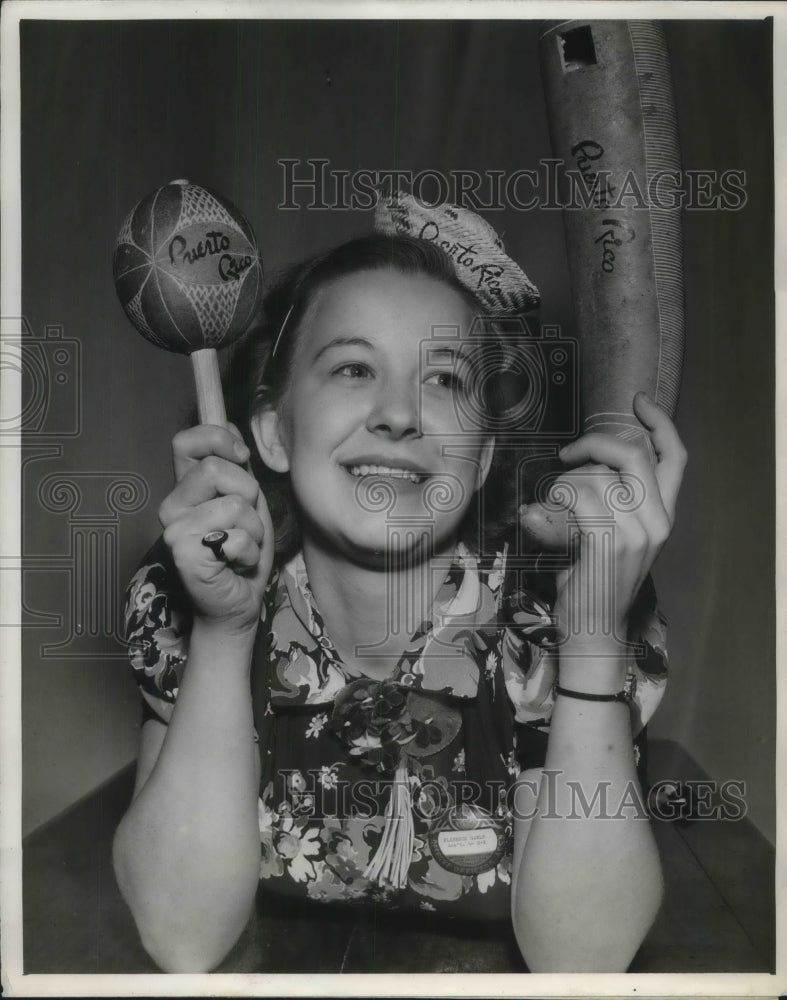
{"points": [[365, 696]]}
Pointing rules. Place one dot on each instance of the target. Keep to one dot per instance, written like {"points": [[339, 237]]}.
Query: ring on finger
{"points": [[214, 540]]}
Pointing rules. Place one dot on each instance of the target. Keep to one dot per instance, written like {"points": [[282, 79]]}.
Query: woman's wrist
{"points": [[594, 666], [225, 639]]}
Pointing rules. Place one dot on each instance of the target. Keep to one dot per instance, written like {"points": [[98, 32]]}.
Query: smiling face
{"points": [[372, 428]]}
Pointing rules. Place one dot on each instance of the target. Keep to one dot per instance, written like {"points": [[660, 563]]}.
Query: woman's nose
{"points": [[394, 414]]}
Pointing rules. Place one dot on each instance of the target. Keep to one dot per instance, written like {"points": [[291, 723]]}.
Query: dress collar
{"points": [[442, 655]]}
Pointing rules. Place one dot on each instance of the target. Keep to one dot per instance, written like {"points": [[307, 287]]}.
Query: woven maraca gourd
{"points": [[187, 268], [188, 273]]}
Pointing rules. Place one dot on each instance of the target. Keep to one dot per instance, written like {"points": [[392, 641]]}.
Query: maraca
{"points": [[188, 273]]}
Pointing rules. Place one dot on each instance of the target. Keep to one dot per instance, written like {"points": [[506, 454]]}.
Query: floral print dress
{"points": [[395, 791]]}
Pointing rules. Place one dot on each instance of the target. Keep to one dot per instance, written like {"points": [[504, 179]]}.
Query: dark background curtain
{"points": [[111, 110]]}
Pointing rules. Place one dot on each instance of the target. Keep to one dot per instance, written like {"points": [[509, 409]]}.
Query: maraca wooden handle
{"points": [[210, 399]]}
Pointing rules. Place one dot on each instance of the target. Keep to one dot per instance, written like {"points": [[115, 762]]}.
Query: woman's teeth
{"points": [[385, 470]]}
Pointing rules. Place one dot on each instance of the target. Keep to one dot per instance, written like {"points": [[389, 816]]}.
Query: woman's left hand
{"points": [[621, 511]]}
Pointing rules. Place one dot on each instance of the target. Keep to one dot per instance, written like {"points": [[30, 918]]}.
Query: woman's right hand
{"points": [[214, 492]]}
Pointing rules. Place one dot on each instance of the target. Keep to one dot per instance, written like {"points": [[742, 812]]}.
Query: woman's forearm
{"points": [[187, 852], [587, 882]]}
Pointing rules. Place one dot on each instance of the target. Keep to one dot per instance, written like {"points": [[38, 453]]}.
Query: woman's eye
{"points": [[447, 380], [353, 370]]}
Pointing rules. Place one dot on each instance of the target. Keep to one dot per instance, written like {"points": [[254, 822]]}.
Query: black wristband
{"points": [[621, 696]]}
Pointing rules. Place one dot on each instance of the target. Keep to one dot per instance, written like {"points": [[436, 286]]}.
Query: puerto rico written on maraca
{"points": [[230, 267]]}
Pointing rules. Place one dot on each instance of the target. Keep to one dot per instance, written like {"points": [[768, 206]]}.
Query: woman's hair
{"points": [[261, 363]]}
